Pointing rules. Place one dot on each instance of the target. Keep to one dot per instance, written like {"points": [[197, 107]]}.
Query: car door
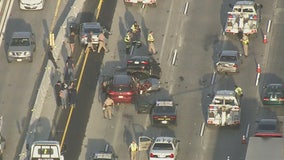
{"points": [[144, 143]]}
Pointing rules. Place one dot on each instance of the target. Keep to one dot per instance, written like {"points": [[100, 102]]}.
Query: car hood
{"points": [[19, 48], [30, 1]]}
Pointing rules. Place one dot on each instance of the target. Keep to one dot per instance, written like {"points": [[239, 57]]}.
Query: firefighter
{"points": [[238, 91], [136, 30], [245, 43], [128, 41]]}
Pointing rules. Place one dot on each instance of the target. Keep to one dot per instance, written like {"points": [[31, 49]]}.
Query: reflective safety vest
{"points": [[246, 41], [239, 91], [133, 28], [133, 147], [127, 38], [150, 38]]}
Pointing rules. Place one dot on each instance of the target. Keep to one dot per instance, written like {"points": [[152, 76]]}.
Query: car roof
{"points": [[164, 139], [225, 93], [245, 3], [229, 53], [121, 79], [21, 34], [91, 25]]}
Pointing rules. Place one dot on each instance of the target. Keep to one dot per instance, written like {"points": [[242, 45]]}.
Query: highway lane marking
{"points": [[55, 15]]}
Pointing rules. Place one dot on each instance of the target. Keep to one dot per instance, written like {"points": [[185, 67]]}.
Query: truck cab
{"points": [[46, 150]]}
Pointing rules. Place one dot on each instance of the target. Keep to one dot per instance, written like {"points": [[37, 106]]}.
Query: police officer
{"points": [[133, 150], [107, 107], [128, 41], [245, 43], [151, 46], [239, 91], [102, 42]]}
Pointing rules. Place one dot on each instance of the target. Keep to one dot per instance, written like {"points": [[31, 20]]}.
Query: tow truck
{"points": [[143, 2], [244, 18], [224, 109], [45, 150]]}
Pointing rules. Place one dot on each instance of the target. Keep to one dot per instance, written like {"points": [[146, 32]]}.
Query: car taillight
{"points": [[155, 117], [266, 99], [129, 61], [211, 107], [255, 17], [130, 93], [152, 155], [144, 62], [230, 16], [171, 156], [281, 99], [84, 36], [173, 117], [236, 66], [111, 92]]}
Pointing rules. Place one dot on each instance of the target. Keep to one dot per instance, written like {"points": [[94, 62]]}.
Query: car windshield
{"points": [[228, 58], [20, 42], [162, 146], [267, 127], [94, 30], [164, 109]]}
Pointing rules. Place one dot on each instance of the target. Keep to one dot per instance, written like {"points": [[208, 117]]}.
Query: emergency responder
{"points": [[90, 41], [128, 41], [151, 46], [133, 150], [107, 107], [238, 91], [136, 30], [102, 42], [245, 43]]}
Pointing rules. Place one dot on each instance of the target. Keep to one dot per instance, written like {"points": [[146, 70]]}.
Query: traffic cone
{"points": [[258, 69], [264, 39], [244, 139]]}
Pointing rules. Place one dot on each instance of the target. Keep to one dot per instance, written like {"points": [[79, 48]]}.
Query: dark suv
{"points": [[145, 64], [121, 88]]}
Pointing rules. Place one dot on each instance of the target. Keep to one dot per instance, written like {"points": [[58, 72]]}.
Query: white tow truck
{"points": [[143, 2], [45, 150], [224, 109], [244, 17], [260, 148]]}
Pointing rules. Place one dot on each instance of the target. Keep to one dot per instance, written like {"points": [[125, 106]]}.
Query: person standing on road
{"points": [[63, 95], [57, 89], [102, 42], [238, 91], [245, 43], [133, 150], [151, 46], [72, 42], [90, 42], [70, 66], [107, 107], [128, 41], [72, 97]]}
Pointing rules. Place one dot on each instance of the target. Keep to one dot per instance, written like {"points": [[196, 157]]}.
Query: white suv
{"points": [[162, 148], [31, 4]]}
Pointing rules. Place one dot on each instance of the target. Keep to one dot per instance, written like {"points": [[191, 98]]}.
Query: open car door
{"points": [[144, 143]]}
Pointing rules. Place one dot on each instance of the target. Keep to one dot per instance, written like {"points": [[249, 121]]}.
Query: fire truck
{"points": [[224, 109], [143, 2], [244, 18]]}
